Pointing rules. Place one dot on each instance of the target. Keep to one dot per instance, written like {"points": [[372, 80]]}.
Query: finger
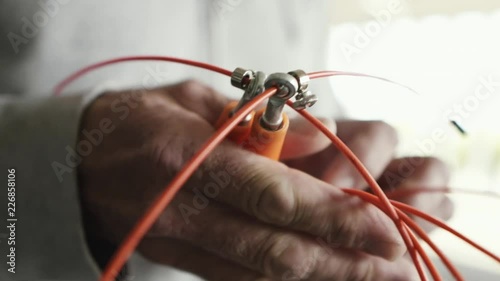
{"points": [[420, 172], [199, 98], [304, 139], [276, 194], [195, 260], [277, 253], [373, 142]]}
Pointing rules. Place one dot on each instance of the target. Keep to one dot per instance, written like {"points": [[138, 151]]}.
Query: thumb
{"points": [[303, 139]]}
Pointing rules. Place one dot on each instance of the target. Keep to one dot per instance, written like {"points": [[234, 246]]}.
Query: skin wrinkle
{"points": [[375, 244], [337, 230], [285, 258], [269, 199], [272, 248], [292, 202]]}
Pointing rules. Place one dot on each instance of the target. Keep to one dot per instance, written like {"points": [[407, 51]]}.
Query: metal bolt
{"points": [[304, 100], [302, 79], [240, 78]]}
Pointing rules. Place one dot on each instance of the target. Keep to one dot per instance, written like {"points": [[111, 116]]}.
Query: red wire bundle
{"points": [[395, 210]]}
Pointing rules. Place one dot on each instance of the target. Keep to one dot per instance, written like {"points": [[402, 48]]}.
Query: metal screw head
{"points": [[304, 100], [302, 78], [241, 77]]}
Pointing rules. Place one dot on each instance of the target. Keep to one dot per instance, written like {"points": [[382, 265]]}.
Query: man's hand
{"points": [[241, 216]]}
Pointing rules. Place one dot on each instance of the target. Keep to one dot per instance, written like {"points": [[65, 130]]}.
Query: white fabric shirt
{"points": [[47, 40]]}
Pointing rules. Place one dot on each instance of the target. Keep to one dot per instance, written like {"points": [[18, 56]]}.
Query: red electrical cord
{"points": [[398, 193], [59, 88], [374, 200], [328, 73], [387, 207], [429, 242], [435, 221], [163, 199], [420, 251], [443, 226], [376, 189], [391, 208]]}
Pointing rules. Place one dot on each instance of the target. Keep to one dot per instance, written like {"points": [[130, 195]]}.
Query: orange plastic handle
{"points": [[241, 132], [265, 142]]}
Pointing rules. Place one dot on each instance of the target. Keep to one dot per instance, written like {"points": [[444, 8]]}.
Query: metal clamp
{"points": [[287, 85], [254, 88], [253, 84], [294, 83], [304, 98]]}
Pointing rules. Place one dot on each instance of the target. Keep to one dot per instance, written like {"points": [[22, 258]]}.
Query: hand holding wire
{"points": [[269, 121], [239, 205], [264, 132]]}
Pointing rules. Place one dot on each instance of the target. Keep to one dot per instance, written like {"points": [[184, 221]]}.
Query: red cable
{"points": [[328, 73], [407, 208], [151, 215], [444, 226], [453, 270], [59, 88], [425, 258], [167, 195], [435, 221], [163, 200], [391, 211], [374, 200]]}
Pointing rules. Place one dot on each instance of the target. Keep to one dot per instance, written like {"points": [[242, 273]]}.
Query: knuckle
{"points": [[282, 255], [270, 254], [191, 85], [363, 270], [438, 166], [383, 129], [272, 198], [188, 90]]}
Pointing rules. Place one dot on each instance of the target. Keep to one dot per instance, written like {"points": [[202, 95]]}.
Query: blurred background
{"points": [[447, 51]]}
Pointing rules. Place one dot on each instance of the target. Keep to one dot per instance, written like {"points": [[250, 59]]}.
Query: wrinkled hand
{"points": [[241, 216]]}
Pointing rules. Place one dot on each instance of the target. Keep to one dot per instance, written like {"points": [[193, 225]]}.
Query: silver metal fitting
{"points": [[287, 85], [304, 100], [254, 88], [302, 79], [294, 83], [240, 78]]}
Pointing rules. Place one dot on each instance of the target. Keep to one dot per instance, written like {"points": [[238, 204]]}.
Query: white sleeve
{"points": [[35, 136]]}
